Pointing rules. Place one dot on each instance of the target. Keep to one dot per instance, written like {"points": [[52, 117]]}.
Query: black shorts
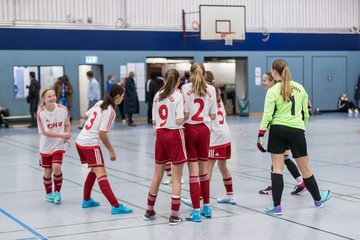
{"points": [[282, 138]]}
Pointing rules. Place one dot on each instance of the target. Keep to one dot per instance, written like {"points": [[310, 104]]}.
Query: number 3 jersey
{"points": [[166, 111], [98, 120], [199, 108], [220, 132], [54, 122]]}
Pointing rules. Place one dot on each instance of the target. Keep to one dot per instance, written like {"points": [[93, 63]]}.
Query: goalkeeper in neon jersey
{"points": [[286, 115]]}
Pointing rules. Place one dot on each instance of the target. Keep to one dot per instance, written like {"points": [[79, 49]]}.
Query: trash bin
{"points": [[244, 107]]}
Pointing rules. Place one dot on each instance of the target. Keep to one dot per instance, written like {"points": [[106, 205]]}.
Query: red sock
{"points": [[168, 168], [89, 183], [175, 205], [228, 186], [205, 188], [195, 191], [48, 184], [58, 182], [106, 190], [151, 201]]}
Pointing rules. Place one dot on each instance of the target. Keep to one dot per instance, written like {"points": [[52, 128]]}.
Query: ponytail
{"points": [[109, 98], [282, 68], [210, 79], [171, 80], [197, 71]]}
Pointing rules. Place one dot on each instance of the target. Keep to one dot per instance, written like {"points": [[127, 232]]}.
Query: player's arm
{"points": [[105, 140], [64, 135]]}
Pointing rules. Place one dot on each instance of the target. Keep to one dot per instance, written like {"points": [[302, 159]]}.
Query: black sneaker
{"points": [[149, 215], [299, 189], [266, 191], [173, 220]]}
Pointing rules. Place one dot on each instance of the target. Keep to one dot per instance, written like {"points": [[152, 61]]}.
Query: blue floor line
{"points": [[23, 224]]}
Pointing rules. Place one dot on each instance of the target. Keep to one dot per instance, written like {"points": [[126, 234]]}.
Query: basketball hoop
{"points": [[227, 36]]}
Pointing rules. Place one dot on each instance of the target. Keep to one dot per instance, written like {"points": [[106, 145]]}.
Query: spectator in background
{"points": [[148, 98], [33, 97], [357, 93], [184, 79], [63, 91], [111, 78], [131, 98], [93, 93], [344, 105], [121, 105]]}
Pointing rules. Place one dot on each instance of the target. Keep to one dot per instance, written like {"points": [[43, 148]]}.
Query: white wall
{"points": [[261, 15]]}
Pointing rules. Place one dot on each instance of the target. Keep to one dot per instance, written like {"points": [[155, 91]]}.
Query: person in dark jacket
{"points": [[33, 97], [155, 84], [131, 102], [357, 93]]}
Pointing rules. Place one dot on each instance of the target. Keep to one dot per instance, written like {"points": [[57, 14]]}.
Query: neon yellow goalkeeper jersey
{"points": [[294, 114]]}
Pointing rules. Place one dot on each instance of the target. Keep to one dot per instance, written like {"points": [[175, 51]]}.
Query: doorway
{"points": [[83, 84]]}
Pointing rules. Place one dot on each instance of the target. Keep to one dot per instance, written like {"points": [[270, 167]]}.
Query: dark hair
{"points": [[171, 79], [282, 68], [32, 74], [197, 71], [109, 98], [90, 74], [110, 76], [210, 79], [66, 80], [270, 76]]}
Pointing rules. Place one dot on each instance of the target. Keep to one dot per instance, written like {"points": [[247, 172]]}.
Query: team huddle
{"points": [[190, 127]]}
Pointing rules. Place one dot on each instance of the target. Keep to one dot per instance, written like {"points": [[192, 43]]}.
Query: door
{"points": [[83, 84]]}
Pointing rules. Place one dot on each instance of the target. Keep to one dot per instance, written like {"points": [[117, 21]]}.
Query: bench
{"points": [[16, 119]]}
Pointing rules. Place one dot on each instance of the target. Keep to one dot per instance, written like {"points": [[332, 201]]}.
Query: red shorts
{"points": [[197, 141], [170, 146], [92, 156], [221, 152], [46, 160]]}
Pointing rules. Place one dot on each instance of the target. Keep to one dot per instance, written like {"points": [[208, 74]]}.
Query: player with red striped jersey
{"points": [[54, 127], [168, 118], [220, 144], [200, 108], [100, 119]]}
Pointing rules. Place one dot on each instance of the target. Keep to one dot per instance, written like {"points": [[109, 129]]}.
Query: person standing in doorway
{"points": [[63, 90], [93, 93], [131, 98], [111, 78], [33, 97]]}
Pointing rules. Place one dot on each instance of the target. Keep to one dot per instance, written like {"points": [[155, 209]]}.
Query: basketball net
{"points": [[228, 38]]}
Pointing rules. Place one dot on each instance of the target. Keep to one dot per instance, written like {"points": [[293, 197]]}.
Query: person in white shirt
{"points": [[220, 144], [100, 119], [200, 108], [53, 122], [168, 118]]}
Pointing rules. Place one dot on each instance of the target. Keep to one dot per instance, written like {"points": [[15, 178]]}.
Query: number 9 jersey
{"points": [[98, 120], [199, 108], [166, 111]]}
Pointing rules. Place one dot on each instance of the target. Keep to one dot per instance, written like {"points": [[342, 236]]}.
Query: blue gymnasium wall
{"points": [[311, 56]]}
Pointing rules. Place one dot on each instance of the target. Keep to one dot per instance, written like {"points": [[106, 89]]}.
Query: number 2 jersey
{"points": [[54, 122], [220, 132], [98, 120], [199, 108], [166, 111]]}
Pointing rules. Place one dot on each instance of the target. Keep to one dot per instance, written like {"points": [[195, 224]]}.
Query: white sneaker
{"points": [[350, 111], [356, 111], [168, 180], [227, 200]]}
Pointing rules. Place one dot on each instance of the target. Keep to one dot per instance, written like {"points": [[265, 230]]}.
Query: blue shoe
{"points": [[90, 203], [325, 195], [187, 202], [49, 197], [121, 209], [194, 216], [57, 198], [273, 210], [206, 211]]}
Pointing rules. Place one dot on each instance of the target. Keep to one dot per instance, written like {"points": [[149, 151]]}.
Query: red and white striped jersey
{"points": [[54, 122], [220, 132], [98, 120], [199, 108], [166, 111]]}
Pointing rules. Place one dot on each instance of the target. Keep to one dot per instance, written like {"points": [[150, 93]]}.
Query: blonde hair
{"points": [[43, 91], [210, 79], [197, 77], [282, 68]]}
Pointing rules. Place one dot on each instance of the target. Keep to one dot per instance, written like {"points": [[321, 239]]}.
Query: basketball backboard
{"points": [[215, 20]]}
